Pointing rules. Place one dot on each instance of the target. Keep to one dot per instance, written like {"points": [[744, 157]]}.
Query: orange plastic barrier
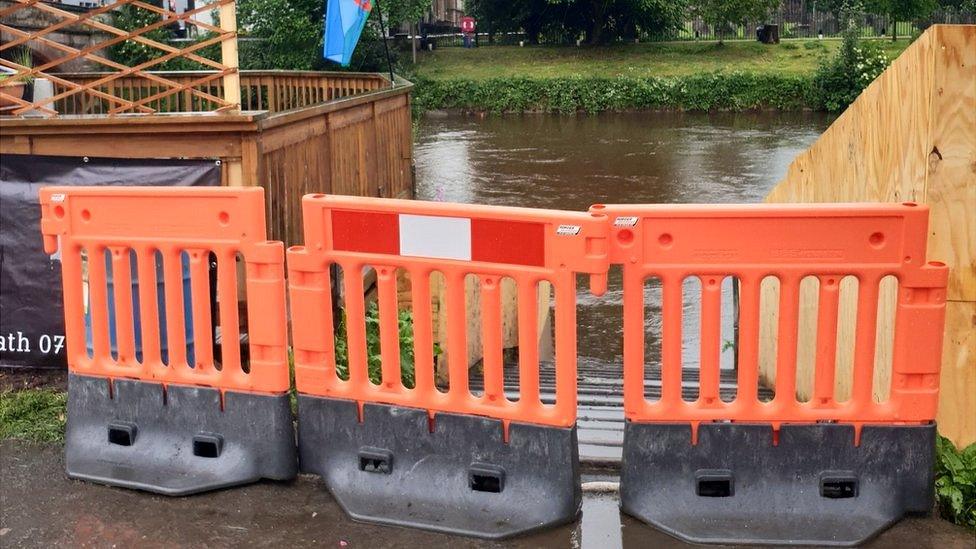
{"points": [[672, 242], [789, 242], [527, 245], [170, 221]]}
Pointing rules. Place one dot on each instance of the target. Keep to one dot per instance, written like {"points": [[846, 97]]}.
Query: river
{"points": [[571, 162]]}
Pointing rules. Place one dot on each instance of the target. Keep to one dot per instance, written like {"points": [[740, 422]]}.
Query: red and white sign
{"points": [[440, 237], [467, 24]]}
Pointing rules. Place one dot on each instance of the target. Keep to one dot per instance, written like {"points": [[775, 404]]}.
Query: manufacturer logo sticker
{"points": [[625, 221], [59, 197], [568, 230]]}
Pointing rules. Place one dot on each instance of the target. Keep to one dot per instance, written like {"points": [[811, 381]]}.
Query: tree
{"points": [[288, 33], [902, 10], [724, 15], [530, 16], [603, 21]]}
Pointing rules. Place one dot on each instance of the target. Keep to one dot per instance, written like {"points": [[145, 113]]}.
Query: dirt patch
{"points": [[33, 378]]}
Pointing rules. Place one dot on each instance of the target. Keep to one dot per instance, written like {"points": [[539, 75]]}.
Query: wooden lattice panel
{"points": [[109, 87]]}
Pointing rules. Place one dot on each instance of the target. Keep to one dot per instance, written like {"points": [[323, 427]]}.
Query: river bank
{"points": [[737, 76]]}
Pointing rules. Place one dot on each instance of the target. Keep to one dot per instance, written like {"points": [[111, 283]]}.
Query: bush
{"points": [[955, 482], [704, 92], [839, 80]]}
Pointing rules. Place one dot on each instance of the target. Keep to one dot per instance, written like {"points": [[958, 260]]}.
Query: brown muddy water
{"points": [[570, 162]]}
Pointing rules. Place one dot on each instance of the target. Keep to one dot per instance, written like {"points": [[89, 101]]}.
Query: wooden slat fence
{"points": [[273, 91]]}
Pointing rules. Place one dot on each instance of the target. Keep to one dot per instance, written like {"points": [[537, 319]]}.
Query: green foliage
{"points": [[703, 92], [32, 414], [725, 15], [839, 80], [955, 482], [288, 34], [130, 52], [600, 21], [373, 356], [281, 34]]}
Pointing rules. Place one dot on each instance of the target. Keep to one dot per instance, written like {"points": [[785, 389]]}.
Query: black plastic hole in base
{"points": [[207, 446], [375, 460], [486, 478], [122, 434], [838, 488], [714, 485]]}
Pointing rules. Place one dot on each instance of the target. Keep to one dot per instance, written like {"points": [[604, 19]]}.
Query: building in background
{"points": [[446, 13]]}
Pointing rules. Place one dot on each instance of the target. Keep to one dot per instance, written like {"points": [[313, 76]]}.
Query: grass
{"points": [[789, 58], [33, 414]]}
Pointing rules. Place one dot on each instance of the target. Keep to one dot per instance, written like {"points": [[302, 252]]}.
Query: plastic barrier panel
{"points": [[828, 470], [139, 415], [428, 456]]}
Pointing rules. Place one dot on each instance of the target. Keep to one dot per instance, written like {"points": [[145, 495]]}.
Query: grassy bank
{"points": [[686, 76], [32, 414]]}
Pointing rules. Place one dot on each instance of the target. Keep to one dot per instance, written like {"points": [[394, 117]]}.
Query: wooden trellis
{"points": [[103, 88]]}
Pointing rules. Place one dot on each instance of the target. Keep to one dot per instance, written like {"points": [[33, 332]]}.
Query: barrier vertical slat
{"points": [[457, 355], [230, 329], [173, 288], [122, 290], [864, 339], [389, 326], [528, 340], [491, 338], [148, 308], [823, 385], [789, 312], [565, 288], [98, 303], [200, 290], [748, 366], [352, 276], [634, 347], [423, 338], [711, 318], [74, 320], [671, 334]]}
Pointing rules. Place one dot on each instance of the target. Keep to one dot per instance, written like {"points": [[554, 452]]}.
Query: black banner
{"points": [[31, 313]]}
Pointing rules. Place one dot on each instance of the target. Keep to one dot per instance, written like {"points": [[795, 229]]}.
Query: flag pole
{"points": [[386, 43]]}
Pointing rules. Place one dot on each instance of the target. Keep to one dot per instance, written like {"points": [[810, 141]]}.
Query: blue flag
{"points": [[344, 22]]}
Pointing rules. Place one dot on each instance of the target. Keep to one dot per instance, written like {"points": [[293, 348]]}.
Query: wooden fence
{"points": [[273, 91], [911, 136], [359, 144]]}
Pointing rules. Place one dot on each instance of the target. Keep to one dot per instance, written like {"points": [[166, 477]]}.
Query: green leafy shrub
{"points": [[955, 482], [839, 80], [373, 357], [703, 92]]}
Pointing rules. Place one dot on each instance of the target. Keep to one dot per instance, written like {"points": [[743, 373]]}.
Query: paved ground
{"points": [[40, 507]]}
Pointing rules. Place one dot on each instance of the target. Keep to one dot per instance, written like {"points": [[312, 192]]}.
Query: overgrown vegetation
{"points": [[705, 92], [373, 356], [839, 80], [33, 414], [955, 482], [682, 76]]}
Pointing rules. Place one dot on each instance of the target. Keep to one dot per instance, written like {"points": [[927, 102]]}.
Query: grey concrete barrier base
{"points": [[814, 487], [134, 436], [461, 477]]}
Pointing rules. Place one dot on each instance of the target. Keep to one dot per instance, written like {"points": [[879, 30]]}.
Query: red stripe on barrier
{"points": [[366, 232], [513, 242]]}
